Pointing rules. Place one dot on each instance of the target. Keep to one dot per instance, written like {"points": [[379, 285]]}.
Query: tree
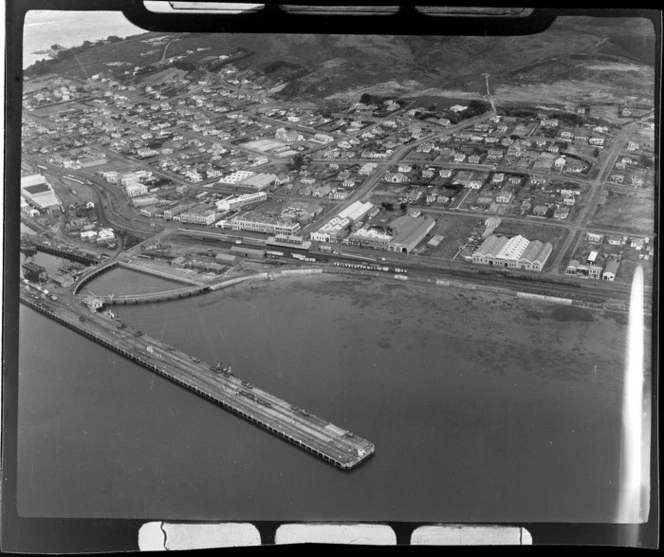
{"points": [[388, 206], [56, 47], [298, 161], [404, 207], [365, 98]]}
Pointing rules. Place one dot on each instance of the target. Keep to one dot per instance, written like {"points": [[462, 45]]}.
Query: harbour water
{"points": [[124, 282], [482, 408]]}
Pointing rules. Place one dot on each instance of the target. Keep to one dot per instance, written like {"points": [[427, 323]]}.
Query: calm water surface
{"points": [[482, 408]]}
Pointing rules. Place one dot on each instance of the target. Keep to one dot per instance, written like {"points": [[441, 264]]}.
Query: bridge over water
{"points": [[154, 296], [96, 271]]}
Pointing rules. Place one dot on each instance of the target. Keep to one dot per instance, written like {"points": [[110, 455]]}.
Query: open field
{"points": [[626, 212], [541, 232], [628, 265], [455, 229]]}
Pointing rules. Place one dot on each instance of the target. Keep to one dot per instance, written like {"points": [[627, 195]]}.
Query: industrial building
{"points": [[38, 192], [259, 181], [173, 212], [335, 229], [285, 240], [240, 201], [356, 211], [237, 176], [584, 271], [34, 272], [135, 189], [408, 232], [199, 215], [516, 252], [264, 224], [370, 237]]}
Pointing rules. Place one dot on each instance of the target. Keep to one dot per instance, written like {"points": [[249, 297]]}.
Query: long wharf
{"points": [[328, 442]]}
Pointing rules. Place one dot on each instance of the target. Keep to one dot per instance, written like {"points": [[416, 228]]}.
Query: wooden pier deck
{"points": [[328, 442]]}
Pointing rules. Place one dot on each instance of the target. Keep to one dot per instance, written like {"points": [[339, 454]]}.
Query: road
{"points": [[163, 54], [596, 186]]}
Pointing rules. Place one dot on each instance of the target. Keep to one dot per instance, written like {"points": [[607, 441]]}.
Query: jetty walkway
{"points": [[330, 443]]}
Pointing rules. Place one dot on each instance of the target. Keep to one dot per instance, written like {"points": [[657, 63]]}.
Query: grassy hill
{"points": [[573, 50]]}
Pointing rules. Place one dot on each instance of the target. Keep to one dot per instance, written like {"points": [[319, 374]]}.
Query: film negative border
{"points": [[49, 535], [159, 536]]}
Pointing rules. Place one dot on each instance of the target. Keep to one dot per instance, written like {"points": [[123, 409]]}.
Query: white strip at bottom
{"points": [[363, 534], [462, 534], [161, 536]]}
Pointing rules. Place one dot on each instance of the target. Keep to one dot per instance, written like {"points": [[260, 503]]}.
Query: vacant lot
{"points": [[455, 229], [628, 265], [626, 212]]}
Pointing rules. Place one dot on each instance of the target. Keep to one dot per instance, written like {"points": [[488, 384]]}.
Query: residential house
{"points": [[561, 213], [395, 177], [550, 123], [611, 270]]}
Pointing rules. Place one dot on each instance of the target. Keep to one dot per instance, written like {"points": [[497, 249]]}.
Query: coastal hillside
{"points": [[617, 52]]}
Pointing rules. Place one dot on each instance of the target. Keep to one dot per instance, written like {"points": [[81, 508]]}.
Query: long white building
{"points": [[240, 201], [136, 189], [265, 225], [516, 253], [39, 193], [334, 229]]}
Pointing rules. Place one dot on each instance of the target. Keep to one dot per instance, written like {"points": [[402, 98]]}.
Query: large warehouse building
{"points": [[409, 231], [516, 253], [39, 193]]}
